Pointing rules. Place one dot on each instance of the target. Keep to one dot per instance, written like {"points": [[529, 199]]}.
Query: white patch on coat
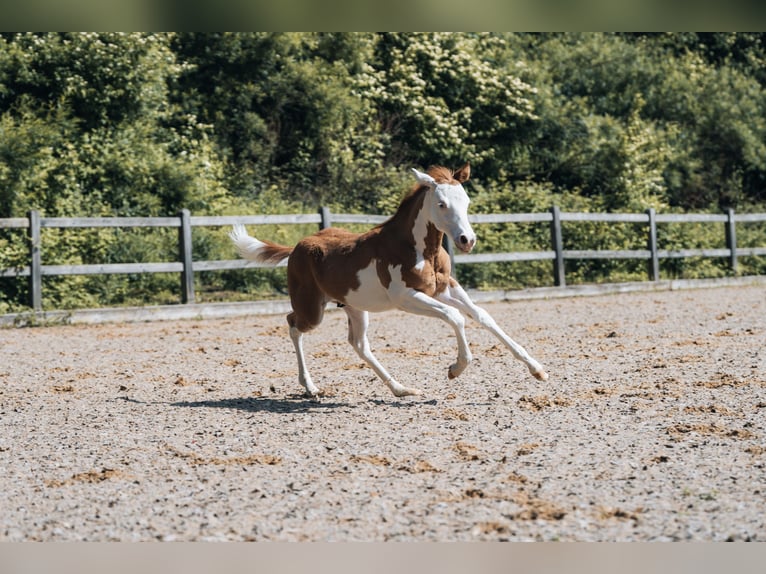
{"points": [[420, 234], [371, 295]]}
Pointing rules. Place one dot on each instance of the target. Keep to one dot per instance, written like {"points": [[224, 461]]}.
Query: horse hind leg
{"points": [[307, 314], [358, 322], [303, 374]]}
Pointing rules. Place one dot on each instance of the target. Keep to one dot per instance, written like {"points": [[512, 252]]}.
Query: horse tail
{"points": [[254, 249]]}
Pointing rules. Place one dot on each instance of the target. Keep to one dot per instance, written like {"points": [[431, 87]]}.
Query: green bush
{"points": [[111, 124]]}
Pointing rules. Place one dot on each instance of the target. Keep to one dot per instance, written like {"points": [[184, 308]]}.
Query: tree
{"points": [[286, 110], [441, 99], [86, 129]]}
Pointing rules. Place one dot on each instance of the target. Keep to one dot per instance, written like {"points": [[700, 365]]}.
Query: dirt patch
{"points": [[196, 459], [454, 414], [90, 477], [540, 402], [516, 478], [467, 452], [536, 508], [527, 448], [610, 512], [723, 380], [679, 431], [371, 459], [709, 409], [417, 467]]}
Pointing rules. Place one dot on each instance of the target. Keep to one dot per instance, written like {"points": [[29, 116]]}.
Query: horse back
{"points": [[331, 259], [334, 259]]}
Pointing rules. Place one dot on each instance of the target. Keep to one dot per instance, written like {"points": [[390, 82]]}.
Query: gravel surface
{"points": [[651, 427]]}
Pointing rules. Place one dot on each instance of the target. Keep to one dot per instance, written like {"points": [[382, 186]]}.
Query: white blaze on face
{"points": [[420, 233], [447, 208], [449, 212]]}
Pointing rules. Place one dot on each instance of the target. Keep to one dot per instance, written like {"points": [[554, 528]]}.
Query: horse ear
{"points": [[424, 178], [463, 173]]}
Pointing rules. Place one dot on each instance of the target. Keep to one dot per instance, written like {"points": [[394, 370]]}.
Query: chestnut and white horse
{"points": [[400, 264]]}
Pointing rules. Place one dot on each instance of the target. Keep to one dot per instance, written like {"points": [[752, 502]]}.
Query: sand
{"points": [[651, 427]]}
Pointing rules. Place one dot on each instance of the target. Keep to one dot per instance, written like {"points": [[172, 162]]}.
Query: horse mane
{"points": [[440, 173]]}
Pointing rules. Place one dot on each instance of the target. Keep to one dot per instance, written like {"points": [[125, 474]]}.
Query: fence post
{"points": [[557, 243], [35, 264], [324, 213], [185, 253], [731, 239], [654, 258]]}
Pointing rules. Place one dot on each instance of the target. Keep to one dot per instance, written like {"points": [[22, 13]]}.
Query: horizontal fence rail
{"points": [[34, 271]]}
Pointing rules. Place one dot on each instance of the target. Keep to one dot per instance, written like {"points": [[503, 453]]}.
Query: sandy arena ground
{"points": [[651, 427]]}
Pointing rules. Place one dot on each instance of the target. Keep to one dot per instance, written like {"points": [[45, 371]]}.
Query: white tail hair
{"points": [[256, 250]]}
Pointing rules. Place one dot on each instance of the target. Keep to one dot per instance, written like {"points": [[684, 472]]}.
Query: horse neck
{"points": [[411, 224]]}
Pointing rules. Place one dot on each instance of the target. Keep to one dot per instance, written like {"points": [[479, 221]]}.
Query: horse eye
{"points": [[442, 205]]}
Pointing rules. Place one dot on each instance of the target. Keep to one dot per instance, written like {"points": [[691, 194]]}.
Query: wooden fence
{"points": [[186, 266]]}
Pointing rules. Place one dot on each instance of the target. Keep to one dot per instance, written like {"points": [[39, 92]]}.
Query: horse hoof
{"points": [[540, 376], [406, 392], [454, 371]]}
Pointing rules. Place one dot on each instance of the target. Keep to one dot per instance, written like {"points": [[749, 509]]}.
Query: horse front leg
{"points": [[419, 303], [455, 296]]}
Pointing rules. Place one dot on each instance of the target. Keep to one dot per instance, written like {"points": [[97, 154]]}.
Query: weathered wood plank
{"points": [[691, 218], [325, 217], [731, 239], [749, 217], [35, 262], [185, 254], [76, 222], [355, 218], [683, 253], [481, 218], [651, 241], [14, 222], [15, 272], [557, 243], [750, 251], [224, 220], [607, 217], [501, 257], [116, 268], [229, 264], [608, 254]]}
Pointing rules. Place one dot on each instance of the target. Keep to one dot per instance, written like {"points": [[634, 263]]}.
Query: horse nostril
{"points": [[463, 240]]}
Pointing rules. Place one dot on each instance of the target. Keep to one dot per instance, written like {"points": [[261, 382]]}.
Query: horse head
{"points": [[447, 204]]}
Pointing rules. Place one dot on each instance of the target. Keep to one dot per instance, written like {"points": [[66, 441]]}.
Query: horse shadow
{"points": [[294, 404]]}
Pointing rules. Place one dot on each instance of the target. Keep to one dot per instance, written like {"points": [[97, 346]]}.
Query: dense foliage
{"points": [[147, 124]]}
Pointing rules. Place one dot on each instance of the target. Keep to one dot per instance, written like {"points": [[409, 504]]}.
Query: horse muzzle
{"points": [[465, 242]]}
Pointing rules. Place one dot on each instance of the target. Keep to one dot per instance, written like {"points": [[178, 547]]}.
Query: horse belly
{"points": [[371, 295]]}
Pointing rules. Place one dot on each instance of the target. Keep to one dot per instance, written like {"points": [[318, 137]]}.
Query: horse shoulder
{"points": [[431, 276]]}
